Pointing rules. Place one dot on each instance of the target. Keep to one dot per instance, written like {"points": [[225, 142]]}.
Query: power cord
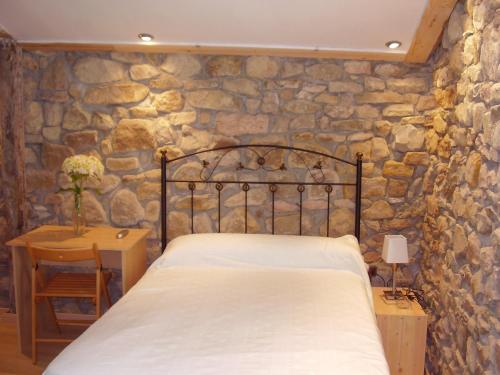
{"points": [[415, 294], [409, 292], [372, 273]]}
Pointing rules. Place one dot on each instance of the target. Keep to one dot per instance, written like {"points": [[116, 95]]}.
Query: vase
{"points": [[78, 216]]}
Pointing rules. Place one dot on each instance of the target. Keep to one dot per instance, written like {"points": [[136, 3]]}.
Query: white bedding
{"points": [[210, 318]]}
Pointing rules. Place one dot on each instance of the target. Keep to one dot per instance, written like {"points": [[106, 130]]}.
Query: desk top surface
{"points": [[55, 236]]}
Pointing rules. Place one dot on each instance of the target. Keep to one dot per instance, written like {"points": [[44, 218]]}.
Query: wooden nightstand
{"points": [[403, 334]]}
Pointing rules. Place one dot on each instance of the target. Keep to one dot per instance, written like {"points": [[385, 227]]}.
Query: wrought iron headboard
{"points": [[273, 185]]}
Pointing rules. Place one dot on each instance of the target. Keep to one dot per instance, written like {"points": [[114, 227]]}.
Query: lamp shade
{"points": [[395, 249]]}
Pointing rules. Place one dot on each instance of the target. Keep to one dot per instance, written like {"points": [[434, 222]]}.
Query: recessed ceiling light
{"points": [[145, 37], [393, 44]]}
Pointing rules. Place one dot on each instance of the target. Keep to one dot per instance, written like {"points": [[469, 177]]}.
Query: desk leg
{"points": [[133, 265], [22, 291]]}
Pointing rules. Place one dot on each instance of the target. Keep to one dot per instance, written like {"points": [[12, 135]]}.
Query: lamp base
{"points": [[389, 295]]}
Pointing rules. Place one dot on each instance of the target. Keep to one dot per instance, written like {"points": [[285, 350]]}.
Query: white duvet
{"points": [[221, 316]]}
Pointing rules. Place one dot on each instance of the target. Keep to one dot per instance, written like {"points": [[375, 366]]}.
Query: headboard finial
{"points": [[359, 155]]}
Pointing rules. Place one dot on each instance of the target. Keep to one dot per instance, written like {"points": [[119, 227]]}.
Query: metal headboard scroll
{"points": [[261, 153]]}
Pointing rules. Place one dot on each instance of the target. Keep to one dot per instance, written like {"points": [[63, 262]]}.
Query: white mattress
{"points": [[221, 320]]}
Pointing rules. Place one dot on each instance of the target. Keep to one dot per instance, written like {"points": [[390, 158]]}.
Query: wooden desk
{"points": [[404, 332], [128, 253]]}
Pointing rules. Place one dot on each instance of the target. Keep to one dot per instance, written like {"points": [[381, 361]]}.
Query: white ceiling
{"points": [[351, 25]]}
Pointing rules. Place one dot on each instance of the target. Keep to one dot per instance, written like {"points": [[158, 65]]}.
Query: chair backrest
{"points": [[64, 255]]}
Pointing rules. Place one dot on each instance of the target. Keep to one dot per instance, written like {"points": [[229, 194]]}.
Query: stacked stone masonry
{"points": [[125, 108], [461, 232], [430, 136], [11, 162]]}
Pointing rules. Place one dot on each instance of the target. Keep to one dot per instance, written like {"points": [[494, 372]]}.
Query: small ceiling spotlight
{"points": [[145, 37], [393, 44]]}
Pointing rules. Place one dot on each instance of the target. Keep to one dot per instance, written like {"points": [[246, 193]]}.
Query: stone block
{"points": [[125, 208], [53, 155], [182, 66], [325, 72], [399, 110], [143, 112], [53, 113], [327, 99], [416, 158], [213, 99], [379, 97], [149, 190], [394, 168], [55, 76], [122, 164], [81, 140], [406, 85], [472, 169], [165, 82], [390, 70], [223, 66], [242, 86], [262, 67], [374, 187], [345, 86], [133, 134], [291, 69], [97, 70], [374, 84], [408, 138], [397, 188], [301, 106], [141, 72], [116, 93], [168, 101], [378, 210], [357, 67], [39, 180], [239, 123], [33, 118], [182, 118]]}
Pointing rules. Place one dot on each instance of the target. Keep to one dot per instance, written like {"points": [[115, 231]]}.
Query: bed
{"points": [[239, 304], [242, 303]]}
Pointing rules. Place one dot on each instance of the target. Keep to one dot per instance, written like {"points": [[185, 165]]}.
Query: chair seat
{"points": [[82, 285]]}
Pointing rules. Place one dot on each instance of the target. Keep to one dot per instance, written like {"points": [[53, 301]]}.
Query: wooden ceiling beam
{"points": [[429, 32], [213, 50]]}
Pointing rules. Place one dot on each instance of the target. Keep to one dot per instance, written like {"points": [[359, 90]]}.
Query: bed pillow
{"points": [[264, 250]]}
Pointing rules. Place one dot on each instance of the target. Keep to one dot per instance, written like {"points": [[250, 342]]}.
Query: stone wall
{"points": [[460, 259], [123, 108], [6, 212], [11, 163]]}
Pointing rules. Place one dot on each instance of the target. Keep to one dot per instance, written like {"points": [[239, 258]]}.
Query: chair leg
{"points": [[33, 331], [53, 313], [97, 307], [106, 294]]}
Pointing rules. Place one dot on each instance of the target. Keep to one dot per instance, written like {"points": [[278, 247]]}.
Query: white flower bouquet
{"points": [[79, 168]]}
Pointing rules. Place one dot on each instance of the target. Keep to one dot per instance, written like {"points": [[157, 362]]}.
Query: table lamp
{"points": [[395, 251]]}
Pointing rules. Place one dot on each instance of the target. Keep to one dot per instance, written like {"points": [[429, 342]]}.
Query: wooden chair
{"points": [[66, 285]]}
